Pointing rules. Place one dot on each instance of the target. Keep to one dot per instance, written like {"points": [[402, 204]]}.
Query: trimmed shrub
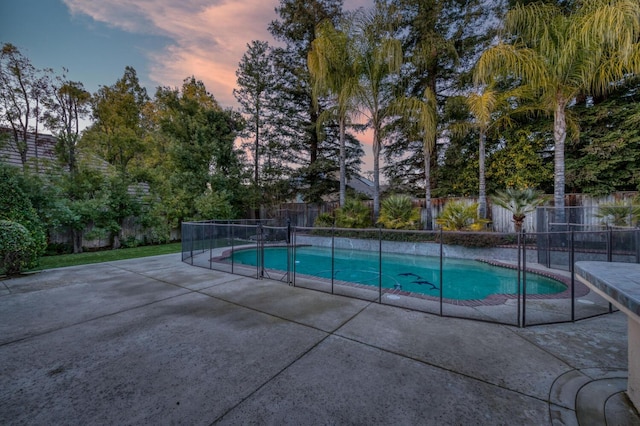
{"points": [[18, 250]]}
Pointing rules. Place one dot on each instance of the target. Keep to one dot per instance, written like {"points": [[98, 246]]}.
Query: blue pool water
{"points": [[461, 279]]}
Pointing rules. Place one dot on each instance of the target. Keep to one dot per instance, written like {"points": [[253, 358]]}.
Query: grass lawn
{"points": [[49, 262]]}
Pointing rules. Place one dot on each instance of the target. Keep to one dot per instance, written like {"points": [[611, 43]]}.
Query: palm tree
{"points": [[520, 202], [484, 106], [334, 71], [379, 55], [561, 55], [423, 119]]}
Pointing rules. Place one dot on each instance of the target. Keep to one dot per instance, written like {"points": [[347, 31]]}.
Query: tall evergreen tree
{"points": [[441, 41], [297, 115]]}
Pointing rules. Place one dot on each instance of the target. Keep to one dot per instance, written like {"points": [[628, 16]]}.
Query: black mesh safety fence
{"points": [[518, 279]]}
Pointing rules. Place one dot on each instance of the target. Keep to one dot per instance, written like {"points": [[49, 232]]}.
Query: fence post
{"points": [[519, 292], [609, 244], [636, 232], [333, 251], [524, 278], [380, 264], [260, 245], [441, 278], [572, 261]]}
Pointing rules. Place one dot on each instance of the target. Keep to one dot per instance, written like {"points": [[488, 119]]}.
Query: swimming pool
{"points": [[461, 279]]}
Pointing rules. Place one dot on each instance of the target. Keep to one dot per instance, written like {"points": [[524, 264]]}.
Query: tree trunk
{"points": [[76, 236], [428, 223], [559, 135], [343, 168], [255, 155], [482, 190], [376, 173]]}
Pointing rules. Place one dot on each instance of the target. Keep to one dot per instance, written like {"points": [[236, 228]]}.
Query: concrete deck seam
{"points": [[266, 382], [53, 330], [553, 384], [328, 334], [439, 367], [534, 343]]}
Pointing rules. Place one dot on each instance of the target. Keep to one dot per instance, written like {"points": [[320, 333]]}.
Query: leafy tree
{"points": [[201, 152], [562, 55], [441, 40], [118, 131], [606, 158], [68, 104], [521, 160], [23, 89]]}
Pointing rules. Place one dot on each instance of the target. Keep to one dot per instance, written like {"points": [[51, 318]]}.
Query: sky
{"points": [[165, 41]]}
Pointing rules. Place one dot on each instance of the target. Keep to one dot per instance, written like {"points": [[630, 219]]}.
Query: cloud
{"points": [[207, 38]]}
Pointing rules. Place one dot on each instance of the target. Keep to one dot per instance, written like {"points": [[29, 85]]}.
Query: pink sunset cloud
{"points": [[206, 38]]}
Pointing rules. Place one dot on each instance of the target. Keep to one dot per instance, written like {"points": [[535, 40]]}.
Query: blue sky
{"points": [[166, 41]]}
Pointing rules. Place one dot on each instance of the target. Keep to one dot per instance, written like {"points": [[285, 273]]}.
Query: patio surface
{"points": [[157, 341]]}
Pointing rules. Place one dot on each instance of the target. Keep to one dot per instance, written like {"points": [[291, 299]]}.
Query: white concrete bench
{"points": [[619, 284]]}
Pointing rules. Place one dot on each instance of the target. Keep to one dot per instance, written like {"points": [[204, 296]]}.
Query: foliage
{"points": [[619, 213], [23, 88], [324, 220], [15, 206], [67, 106], [200, 152], [294, 112], [354, 214], [18, 251], [606, 158], [118, 131], [459, 216], [562, 55], [397, 212], [214, 205], [473, 239]]}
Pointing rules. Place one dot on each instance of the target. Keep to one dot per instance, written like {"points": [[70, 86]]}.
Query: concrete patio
{"points": [[157, 341]]}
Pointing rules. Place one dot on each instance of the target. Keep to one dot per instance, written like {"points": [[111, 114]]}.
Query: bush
{"points": [[15, 206], [324, 220], [397, 212], [18, 250], [354, 214], [458, 216]]}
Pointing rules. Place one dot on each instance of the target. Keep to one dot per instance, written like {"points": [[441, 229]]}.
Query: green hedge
{"points": [[18, 250]]}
